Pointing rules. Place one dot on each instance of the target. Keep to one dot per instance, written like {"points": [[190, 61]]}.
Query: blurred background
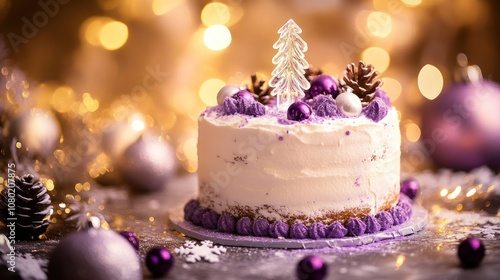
{"points": [[82, 81]]}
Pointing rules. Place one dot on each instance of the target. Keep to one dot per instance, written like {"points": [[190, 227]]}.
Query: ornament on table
{"points": [[471, 252], [94, 253], [131, 238], [410, 187], [226, 91], [311, 268], [32, 208], [117, 135], [461, 127], [159, 261], [147, 164], [37, 130]]}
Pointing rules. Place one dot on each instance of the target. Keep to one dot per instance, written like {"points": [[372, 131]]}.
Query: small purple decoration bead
{"points": [[244, 226], [323, 85], [198, 215], [298, 231], [383, 95], [210, 219], [226, 223], [355, 227], [410, 188], [299, 111], [312, 268], [471, 252], [260, 227], [399, 215], [376, 110], [279, 229], [385, 220], [131, 238], [317, 230], [189, 209], [372, 224], [159, 261], [325, 106], [336, 230]]}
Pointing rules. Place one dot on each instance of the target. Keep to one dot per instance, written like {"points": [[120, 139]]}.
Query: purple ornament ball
{"points": [[323, 84], [159, 261], [131, 238], [299, 111], [244, 94], [311, 268], [410, 187], [471, 252], [461, 127]]}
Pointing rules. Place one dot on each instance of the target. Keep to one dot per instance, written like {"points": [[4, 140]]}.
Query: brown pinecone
{"points": [[261, 93], [312, 72], [362, 80], [32, 207]]}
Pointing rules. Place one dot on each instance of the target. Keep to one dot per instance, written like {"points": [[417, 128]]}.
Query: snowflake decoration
{"points": [[206, 251]]}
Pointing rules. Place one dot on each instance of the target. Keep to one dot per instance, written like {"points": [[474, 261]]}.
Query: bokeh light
{"points": [[392, 87], [378, 57], [113, 35], [412, 3], [379, 24], [217, 37], [161, 7], [430, 81], [91, 28], [215, 13], [208, 91], [62, 99], [412, 132]]}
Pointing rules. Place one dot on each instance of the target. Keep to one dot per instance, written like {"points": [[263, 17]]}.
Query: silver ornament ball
{"points": [[349, 104], [226, 91]]}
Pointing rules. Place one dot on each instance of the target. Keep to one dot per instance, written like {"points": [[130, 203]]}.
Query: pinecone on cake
{"points": [[30, 209], [362, 79], [261, 94]]}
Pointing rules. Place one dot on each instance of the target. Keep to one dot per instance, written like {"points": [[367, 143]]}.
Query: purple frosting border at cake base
{"points": [[417, 221]]}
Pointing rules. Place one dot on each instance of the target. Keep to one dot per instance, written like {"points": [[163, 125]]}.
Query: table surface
{"points": [[428, 254]]}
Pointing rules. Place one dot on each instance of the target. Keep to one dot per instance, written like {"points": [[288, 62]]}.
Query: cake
{"points": [[322, 164]]}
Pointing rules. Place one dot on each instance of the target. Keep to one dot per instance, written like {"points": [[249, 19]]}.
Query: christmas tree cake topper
{"points": [[288, 78]]}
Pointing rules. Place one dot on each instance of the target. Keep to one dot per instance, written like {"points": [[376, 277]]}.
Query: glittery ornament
{"points": [[147, 164], [349, 104], [226, 91], [471, 252], [311, 268], [410, 188], [37, 130], [461, 127], [131, 238], [94, 253], [159, 261], [323, 85], [299, 111]]}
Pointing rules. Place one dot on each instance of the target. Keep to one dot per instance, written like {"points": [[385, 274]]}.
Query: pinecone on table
{"points": [[32, 208], [362, 80]]}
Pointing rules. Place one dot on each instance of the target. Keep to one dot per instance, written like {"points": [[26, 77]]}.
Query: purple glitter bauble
{"points": [[159, 261], [210, 219], [299, 231], [260, 227], [299, 111], [336, 230], [406, 206], [323, 84], [244, 226], [471, 252], [317, 230], [376, 110], [311, 268], [226, 223], [197, 216], [385, 220], [399, 215], [131, 238], [460, 128], [355, 227], [189, 209], [279, 229], [410, 188], [372, 224]]}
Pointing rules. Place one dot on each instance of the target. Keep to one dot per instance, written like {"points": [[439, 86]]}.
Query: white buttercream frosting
{"points": [[280, 169]]}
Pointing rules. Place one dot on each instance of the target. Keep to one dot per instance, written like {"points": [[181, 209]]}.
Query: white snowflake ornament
{"points": [[205, 251]]}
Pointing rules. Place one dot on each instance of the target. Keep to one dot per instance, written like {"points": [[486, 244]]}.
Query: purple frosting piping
{"points": [[189, 209], [198, 215], [372, 224], [355, 227], [383, 95], [399, 215], [336, 230], [385, 220], [298, 231], [376, 110], [278, 229], [407, 207], [244, 226], [226, 223], [317, 230], [210, 219], [261, 227]]}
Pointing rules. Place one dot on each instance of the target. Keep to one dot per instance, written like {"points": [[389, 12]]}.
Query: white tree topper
{"points": [[288, 78]]}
